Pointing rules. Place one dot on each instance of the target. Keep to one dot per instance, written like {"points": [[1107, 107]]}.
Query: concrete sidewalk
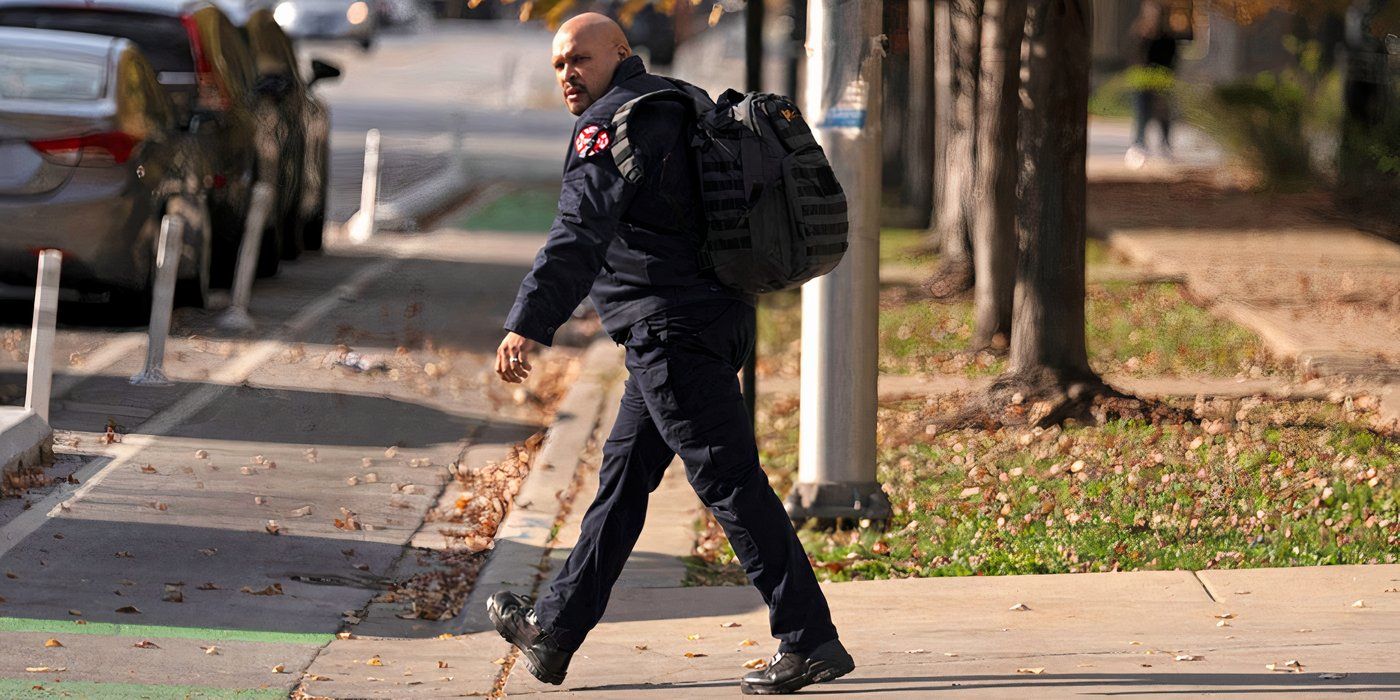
{"points": [[1142, 633]]}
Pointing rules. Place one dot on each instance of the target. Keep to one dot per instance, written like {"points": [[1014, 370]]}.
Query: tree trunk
{"points": [[918, 164], [961, 34], [994, 184], [1047, 340], [942, 114]]}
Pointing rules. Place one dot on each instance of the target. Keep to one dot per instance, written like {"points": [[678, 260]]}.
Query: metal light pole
{"points": [[836, 472]]}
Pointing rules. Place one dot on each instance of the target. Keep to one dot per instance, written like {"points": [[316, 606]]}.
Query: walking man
{"points": [[633, 248]]}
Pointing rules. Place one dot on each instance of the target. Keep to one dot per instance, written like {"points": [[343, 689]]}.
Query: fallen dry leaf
{"points": [[209, 586], [259, 500], [374, 661], [301, 512], [748, 643], [209, 552], [74, 611], [1189, 657], [317, 677], [695, 655], [1359, 604], [145, 644], [274, 589], [759, 664], [692, 637], [120, 555], [1020, 606], [445, 635], [501, 661], [52, 643], [353, 481], [273, 528], [442, 664], [1034, 671], [347, 521], [129, 610], [201, 454], [639, 647], [371, 478], [730, 624], [45, 669], [279, 668], [344, 635], [148, 469], [173, 594], [210, 650]]}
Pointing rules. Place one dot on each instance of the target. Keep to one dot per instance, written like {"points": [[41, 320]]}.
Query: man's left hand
{"points": [[512, 358]]}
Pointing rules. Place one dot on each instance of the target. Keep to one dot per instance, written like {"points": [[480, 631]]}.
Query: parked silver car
{"points": [[328, 19], [91, 157]]}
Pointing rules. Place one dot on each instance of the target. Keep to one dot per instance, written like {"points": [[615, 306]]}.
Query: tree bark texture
{"points": [[994, 183], [942, 98], [1047, 339], [918, 164], [961, 35]]}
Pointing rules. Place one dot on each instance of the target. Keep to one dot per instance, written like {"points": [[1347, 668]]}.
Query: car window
{"points": [[161, 38], [26, 75]]}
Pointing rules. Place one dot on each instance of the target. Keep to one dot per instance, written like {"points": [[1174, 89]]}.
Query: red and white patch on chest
{"points": [[591, 141]]}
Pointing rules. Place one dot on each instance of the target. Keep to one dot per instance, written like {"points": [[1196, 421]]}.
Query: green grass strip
{"points": [[110, 629], [42, 686], [529, 210]]}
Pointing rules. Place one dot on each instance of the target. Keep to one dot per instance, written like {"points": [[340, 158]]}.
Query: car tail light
{"points": [[210, 93], [93, 150]]}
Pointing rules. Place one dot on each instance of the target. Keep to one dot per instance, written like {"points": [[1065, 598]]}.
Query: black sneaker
{"points": [[514, 617], [787, 673]]}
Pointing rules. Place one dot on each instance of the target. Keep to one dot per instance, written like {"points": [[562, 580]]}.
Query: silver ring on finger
{"points": [[514, 360]]}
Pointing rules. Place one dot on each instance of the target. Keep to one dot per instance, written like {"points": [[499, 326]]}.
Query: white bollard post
{"points": [[40, 381], [172, 236], [361, 225], [236, 316]]}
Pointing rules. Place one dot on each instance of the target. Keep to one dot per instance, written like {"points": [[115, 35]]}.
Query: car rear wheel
{"points": [[314, 226], [270, 252]]}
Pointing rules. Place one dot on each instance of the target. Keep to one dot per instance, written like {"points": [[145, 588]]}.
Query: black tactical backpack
{"points": [[776, 214]]}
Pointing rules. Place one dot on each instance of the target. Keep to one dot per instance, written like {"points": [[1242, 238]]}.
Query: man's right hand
{"points": [[512, 358]]}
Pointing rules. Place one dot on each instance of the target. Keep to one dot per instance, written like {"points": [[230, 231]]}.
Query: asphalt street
{"points": [[216, 533]]}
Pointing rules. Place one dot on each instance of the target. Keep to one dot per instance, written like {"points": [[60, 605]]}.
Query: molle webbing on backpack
{"points": [[776, 215]]}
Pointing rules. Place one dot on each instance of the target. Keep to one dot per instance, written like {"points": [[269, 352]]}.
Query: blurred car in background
{"points": [[92, 156], [293, 125], [399, 13], [354, 20], [208, 69]]}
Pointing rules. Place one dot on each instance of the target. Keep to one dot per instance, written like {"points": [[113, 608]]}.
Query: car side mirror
{"points": [[320, 70]]}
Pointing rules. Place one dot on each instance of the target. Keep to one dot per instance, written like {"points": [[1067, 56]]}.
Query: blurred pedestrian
{"points": [[1155, 48], [633, 247]]}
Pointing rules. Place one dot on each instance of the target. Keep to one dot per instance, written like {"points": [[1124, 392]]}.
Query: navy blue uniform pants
{"points": [[682, 397]]}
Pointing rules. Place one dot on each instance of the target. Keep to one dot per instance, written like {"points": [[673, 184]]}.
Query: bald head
{"points": [[587, 49]]}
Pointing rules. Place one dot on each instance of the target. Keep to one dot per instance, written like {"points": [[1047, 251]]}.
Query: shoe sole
{"points": [[531, 663], [824, 671]]}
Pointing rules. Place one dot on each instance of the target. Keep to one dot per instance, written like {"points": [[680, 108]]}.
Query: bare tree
{"points": [[994, 182], [918, 174], [957, 46]]}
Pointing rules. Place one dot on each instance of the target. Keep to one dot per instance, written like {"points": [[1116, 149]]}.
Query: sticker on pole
{"points": [[591, 141], [843, 118]]}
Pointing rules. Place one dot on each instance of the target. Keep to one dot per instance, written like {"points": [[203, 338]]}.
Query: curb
{"points": [[26, 440], [419, 205], [523, 537]]}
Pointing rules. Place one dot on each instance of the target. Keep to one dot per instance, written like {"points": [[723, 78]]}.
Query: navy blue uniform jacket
{"points": [[631, 247]]}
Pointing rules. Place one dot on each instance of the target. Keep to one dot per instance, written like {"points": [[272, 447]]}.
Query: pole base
{"points": [[235, 319], [154, 376], [833, 502]]}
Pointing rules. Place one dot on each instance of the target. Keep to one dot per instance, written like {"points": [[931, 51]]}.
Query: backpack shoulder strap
{"points": [[623, 153]]}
